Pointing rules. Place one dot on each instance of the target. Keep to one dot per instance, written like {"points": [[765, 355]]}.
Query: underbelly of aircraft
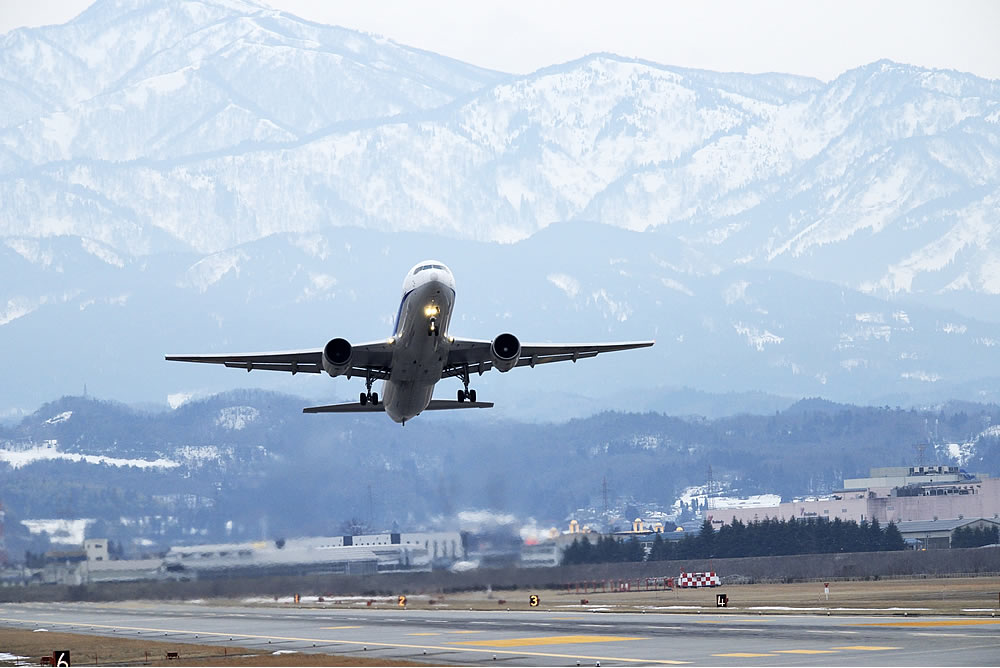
{"points": [[404, 400]]}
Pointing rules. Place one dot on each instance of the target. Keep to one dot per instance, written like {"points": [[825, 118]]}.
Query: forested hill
{"points": [[250, 464]]}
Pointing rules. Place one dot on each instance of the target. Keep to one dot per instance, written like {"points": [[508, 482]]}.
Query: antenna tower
{"points": [[920, 447]]}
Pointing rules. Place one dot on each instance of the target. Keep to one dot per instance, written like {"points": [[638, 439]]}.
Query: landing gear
{"points": [[432, 327], [466, 393], [369, 396]]}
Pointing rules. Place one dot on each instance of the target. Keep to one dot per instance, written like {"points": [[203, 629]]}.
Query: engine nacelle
{"points": [[337, 357], [505, 351]]}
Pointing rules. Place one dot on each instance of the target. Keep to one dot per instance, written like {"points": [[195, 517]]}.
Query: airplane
{"points": [[419, 353]]}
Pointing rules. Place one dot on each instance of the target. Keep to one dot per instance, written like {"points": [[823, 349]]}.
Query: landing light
{"points": [[431, 310]]}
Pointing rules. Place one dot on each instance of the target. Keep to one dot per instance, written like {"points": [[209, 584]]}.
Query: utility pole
{"points": [[371, 513], [3, 547], [604, 494], [711, 487]]}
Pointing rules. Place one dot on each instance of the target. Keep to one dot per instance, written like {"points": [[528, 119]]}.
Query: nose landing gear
{"points": [[432, 328]]}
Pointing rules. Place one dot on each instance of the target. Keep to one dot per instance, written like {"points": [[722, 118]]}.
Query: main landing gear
{"points": [[466, 393], [369, 397]]}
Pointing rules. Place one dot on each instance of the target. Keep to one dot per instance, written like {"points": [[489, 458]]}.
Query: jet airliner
{"points": [[419, 353]]}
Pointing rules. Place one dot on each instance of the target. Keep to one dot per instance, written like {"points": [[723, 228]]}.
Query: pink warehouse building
{"points": [[893, 494]]}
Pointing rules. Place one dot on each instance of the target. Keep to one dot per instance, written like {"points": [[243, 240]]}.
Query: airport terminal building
{"points": [[890, 494]]}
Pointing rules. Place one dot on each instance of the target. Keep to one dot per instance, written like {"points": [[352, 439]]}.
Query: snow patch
{"points": [[178, 399], [566, 283], [67, 532], [676, 285], [62, 417], [17, 307], [31, 251], [757, 339], [48, 451], [736, 292], [237, 418], [922, 376], [102, 253], [960, 452], [210, 270]]}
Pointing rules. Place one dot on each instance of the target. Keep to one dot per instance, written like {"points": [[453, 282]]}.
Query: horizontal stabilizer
{"points": [[353, 407], [444, 405], [435, 405]]}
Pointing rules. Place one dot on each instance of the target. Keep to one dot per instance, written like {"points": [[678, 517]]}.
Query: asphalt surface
{"points": [[538, 638]]}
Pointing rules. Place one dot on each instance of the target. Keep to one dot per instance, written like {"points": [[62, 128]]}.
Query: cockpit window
{"points": [[424, 267]]}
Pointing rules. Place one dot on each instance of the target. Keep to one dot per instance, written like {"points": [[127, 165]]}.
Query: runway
{"points": [[547, 638]]}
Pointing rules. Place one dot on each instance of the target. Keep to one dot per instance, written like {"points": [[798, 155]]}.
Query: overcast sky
{"points": [[818, 38]]}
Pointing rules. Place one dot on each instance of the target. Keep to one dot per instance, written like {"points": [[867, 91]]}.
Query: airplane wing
{"points": [[474, 355], [366, 359], [435, 405]]}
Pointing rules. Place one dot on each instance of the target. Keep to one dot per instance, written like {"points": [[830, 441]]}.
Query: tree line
{"points": [[969, 537], [758, 539]]}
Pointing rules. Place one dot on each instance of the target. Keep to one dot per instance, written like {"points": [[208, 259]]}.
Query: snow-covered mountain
{"points": [[216, 175]]}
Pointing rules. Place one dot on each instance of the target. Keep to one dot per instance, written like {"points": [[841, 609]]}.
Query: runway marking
{"points": [[335, 628], [805, 651], [941, 622], [946, 635], [837, 632], [545, 640], [464, 631], [448, 648], [867, 648], [731, 621], [744, 655], [423, 634]]}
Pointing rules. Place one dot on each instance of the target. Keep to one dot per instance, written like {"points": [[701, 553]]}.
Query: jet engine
{"points": [[505, 351], [337, 357]]}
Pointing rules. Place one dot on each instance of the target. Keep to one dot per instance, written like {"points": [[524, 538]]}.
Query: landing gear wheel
{"points": [[461, 396], [364, 399], [374, 398], [472, 396]]}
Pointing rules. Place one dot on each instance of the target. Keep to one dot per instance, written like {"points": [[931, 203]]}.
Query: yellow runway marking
{"points": [[867, 648], [942, 622], [449, 647], [744, 655], [805, 651], [545, 640], [334, 628]]}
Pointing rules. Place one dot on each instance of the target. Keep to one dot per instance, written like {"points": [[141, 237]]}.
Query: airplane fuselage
{"points": [[420, 340]]}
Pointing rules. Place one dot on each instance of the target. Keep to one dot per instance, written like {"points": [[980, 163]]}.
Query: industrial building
{"points": [[931, 534], [349, 555], [890, 494]]}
